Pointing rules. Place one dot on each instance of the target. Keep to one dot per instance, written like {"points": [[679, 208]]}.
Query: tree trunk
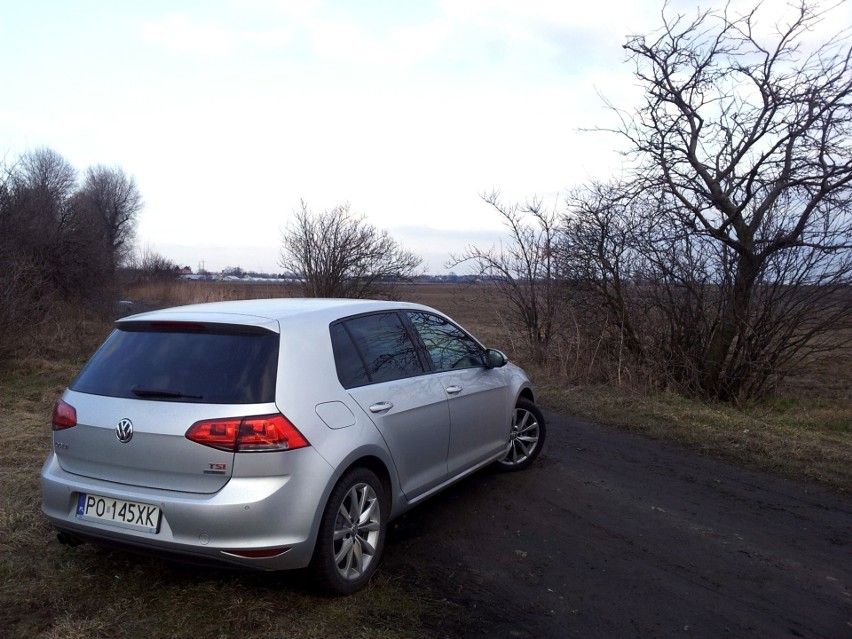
{"points": [[724, 343]]}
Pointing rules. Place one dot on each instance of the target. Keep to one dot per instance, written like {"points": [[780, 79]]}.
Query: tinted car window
{"points": [[350, 367], [385, 346], [215, 367], [447, 345]]}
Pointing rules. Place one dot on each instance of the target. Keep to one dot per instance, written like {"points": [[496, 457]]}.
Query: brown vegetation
{"points": [[61, 241], [51, 592]]}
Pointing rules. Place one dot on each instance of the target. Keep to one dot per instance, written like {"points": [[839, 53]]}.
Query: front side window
{"points": [[448, 345], [384, 346]]}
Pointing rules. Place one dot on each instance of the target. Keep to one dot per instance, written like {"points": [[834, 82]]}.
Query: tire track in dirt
{"points": [[612, 534]]}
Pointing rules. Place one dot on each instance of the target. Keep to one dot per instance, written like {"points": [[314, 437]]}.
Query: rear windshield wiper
{"points": [[161, 393]]}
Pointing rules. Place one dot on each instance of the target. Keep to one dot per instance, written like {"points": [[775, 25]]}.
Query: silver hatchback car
{"points": [[276, 434]]}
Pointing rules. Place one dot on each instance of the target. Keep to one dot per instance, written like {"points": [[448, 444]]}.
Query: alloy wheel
{"points": [[357, 528]]}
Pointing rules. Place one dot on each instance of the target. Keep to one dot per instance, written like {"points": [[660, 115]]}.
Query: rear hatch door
{"points": [[150, 382]]}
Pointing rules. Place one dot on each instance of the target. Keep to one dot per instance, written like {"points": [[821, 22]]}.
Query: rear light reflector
{"points": [[64, 415], [257, 554], [248, 434]]}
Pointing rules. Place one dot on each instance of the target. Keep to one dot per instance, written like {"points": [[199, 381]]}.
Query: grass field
{"points": [[51, 591]]}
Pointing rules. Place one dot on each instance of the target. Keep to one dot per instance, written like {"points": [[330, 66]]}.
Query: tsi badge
{"points": [[124, 430], [216, 469]]}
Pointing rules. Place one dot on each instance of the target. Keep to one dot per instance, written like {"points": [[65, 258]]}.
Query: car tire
{"points": [[525, 439], [351, 535]]}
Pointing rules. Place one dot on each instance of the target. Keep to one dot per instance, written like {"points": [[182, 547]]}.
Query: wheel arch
{"points": [[526, 393], [378, 467]]}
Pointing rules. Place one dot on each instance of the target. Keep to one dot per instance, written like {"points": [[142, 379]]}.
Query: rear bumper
{"points": [[278, 512]]}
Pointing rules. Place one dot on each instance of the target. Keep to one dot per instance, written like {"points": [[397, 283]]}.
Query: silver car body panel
{"points": [[413, 416], [480, 414]]}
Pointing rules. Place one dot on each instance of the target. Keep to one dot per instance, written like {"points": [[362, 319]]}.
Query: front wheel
{"points": [[351, 534], [525, 439]]}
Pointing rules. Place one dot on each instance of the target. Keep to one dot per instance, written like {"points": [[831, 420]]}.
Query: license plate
{"points": [[127, 514]]}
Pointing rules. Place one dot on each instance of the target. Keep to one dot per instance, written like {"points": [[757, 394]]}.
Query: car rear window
{"points": [[197, 364]]}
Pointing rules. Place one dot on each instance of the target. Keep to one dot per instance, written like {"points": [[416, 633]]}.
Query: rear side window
{"points": [[201, 365], [374, 348], [350, 367]]}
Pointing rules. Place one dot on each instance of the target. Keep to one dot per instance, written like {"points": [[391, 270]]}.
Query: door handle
{"points": [[381, 407], [454, 390]]}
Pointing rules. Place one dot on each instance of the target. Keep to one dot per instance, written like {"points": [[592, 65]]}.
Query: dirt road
{"points": [[614, 535]]}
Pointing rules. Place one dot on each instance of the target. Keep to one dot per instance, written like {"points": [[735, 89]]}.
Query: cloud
{"points": [[485, 38], [270, 39], [177, 31], [182, 33]]}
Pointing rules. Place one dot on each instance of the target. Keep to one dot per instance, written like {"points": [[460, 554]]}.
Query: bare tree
{"points": [[524, 270], [146, 263], [113, 200], [56, 251], [37, 222], [22, 283], [599, 251], [743, 149], [39, 186], [338, 254]]}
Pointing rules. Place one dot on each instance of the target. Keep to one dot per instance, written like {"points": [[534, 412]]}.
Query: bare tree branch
{"points": [[337, 254]]}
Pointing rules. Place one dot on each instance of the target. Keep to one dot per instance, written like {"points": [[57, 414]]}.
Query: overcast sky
{"points": [[229, 113]]}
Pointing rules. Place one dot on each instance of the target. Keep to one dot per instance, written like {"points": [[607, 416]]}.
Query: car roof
{"points": [[262, 312]]}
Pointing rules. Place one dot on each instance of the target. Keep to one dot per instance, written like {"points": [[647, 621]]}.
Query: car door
{"points": [[385, 374], [478, 397]]}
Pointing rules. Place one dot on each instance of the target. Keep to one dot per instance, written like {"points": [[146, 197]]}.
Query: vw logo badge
{"points": [[124, 431]]}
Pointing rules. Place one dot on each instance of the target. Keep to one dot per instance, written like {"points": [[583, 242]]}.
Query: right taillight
{"points": [[64, 415], [261, 433]]}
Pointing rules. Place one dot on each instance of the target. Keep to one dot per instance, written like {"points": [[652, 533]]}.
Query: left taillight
{"points": [[64, 415], [261, 433]]}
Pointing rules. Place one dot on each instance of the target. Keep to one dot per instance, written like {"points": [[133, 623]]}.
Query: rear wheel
{"points": [[525, 439], [351, 534]]}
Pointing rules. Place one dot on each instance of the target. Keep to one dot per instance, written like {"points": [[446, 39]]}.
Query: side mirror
{"points": [[495, 358]]}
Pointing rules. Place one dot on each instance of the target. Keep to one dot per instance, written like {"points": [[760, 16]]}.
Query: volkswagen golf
{"points": [[278, 434]]}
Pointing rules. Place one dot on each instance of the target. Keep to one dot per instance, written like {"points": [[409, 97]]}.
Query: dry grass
{"points": [[170, 292], [50, 591], [810, 440]]}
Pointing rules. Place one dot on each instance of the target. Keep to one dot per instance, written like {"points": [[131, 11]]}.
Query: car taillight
{"points": [[64, 415], [259, 433], [217, 433]]}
